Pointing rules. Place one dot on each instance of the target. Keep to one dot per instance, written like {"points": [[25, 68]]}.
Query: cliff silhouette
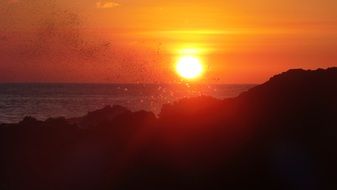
{"points": [[279, 135]]}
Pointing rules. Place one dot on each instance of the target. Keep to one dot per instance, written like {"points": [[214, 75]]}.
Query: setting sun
{"points": [[189, 67], [168, 94]]}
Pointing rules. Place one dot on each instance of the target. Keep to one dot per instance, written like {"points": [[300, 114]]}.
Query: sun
{"points": [[189, 67]]}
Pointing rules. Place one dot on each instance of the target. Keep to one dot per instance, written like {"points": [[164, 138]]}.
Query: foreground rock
{"points": [[279, 135]]}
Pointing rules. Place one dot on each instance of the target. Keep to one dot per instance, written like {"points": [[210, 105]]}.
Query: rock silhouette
{"points": [[279, 135]]}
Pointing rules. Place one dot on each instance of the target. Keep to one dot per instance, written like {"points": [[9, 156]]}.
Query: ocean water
{"points": [[72, 100]]}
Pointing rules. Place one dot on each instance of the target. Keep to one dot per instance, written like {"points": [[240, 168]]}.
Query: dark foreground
{"points": [[279, 135]]}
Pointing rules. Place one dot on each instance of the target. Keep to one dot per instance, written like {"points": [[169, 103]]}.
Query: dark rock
{"points": [[107, 114], [30, 122], [278, 135]]}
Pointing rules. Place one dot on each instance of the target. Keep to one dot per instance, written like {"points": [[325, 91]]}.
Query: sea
{"points": [[42, 101]]}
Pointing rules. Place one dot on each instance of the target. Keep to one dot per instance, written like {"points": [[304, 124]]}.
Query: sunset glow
{"points": [[114, 41], [168, 94]]}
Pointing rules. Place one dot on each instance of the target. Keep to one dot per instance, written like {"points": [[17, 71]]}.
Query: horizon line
{"points": [[129, 83]]}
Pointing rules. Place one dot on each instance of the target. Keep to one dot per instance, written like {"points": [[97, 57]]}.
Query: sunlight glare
{"points": [[189, 67]]}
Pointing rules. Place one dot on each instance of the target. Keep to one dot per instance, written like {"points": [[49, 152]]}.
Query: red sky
{"points": [[240, 41]]}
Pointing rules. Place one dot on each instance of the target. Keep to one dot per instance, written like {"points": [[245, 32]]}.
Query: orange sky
{"points": [[240, 41]]}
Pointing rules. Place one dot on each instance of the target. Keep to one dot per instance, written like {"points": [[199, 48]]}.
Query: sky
{"points": [[138, 41]]}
